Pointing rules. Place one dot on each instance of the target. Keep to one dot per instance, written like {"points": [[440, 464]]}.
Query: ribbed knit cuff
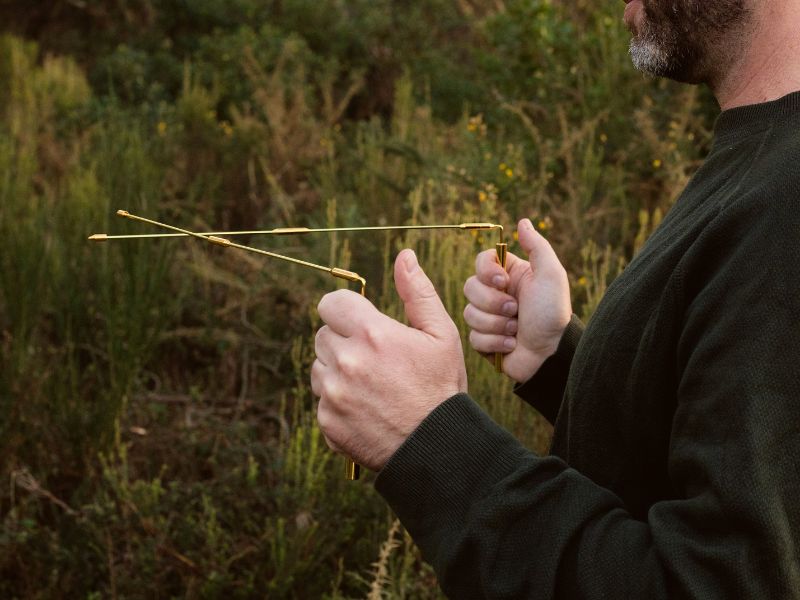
{"points": [[456, 452], [545, 390]]}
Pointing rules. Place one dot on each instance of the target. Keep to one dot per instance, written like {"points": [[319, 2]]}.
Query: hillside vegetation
{"points": [[157, 431]]}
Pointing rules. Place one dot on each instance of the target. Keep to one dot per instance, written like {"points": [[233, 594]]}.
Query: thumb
{"points": [[424, 309], [540, 252]]}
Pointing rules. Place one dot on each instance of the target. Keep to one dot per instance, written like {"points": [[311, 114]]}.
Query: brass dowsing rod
{"points": [[501, 246], [352, 469], [104, 237]]}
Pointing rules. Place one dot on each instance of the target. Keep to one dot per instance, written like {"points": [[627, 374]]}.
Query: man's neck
{"points": [[769, 67]]}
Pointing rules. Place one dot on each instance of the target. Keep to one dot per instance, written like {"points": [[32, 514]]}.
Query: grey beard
{"points": [[657, 51], [650, 57], [698, 52]]}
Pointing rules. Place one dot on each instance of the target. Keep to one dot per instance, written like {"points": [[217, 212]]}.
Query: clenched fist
{"points": [[378, 379], [522, 313]]}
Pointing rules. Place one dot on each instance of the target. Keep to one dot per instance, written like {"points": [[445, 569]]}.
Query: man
{"points": [[675, 465]]}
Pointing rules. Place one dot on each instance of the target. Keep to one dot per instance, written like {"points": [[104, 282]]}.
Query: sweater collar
{"points": [[745, 120]]}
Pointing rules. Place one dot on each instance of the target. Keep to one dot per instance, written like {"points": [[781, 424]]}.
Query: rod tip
{"points": [[98, 237], [123, 213]]}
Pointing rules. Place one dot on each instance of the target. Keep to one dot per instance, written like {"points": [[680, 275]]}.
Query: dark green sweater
{"points": [[675, 465]]}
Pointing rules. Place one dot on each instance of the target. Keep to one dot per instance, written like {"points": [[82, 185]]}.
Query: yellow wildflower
{"points": [[476, 124], [603, 138], [516, 236], [657, 163], [502, 166], [482, 196], [582, 281], [509, 173], [161, 128]]}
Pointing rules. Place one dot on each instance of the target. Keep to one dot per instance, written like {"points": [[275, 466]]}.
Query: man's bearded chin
{"points": [[691, 41]]}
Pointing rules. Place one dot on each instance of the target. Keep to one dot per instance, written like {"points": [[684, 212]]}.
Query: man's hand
{"points": [[527, 320], [376, 378]]}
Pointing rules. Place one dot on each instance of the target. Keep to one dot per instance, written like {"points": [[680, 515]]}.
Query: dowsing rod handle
{"points": [[352, 470], [502, 259]]}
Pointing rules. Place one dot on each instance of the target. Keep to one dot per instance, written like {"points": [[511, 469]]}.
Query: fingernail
{"points": [[499, 281], [511, 328], [510, 308], [411, 262], [510, 343]]}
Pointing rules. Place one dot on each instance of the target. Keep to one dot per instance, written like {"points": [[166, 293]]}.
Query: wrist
{"points": [[535, 355]]}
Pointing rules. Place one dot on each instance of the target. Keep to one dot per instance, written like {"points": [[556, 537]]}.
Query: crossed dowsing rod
{"points": [[352, 469]]}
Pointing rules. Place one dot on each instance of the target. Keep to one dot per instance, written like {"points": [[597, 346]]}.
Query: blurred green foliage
{"points": [[157, 432]]}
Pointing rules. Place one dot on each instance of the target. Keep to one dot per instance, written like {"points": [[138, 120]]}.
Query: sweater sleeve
{"points": [[497, 521], [545, 390]]}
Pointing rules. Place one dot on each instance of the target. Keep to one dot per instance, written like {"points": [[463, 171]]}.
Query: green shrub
{"points": [[157, 428]]}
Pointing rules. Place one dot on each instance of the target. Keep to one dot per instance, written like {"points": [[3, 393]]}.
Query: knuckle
{"points": [[324, 301], [474, 340], [318, 338], [315, 379], [455, 335], [483, 260], [332, 392], [469, 315], [494, 324], [348, 364], [469, 287], [498, 302], [488, 343], [330, 302], [323, 416], [426, 291], [330, 395], [487, 270], [330, 443], [374, 335], [479, 261]]}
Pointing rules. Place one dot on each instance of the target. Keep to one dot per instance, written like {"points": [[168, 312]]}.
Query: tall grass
{"points": [[158, 435]]}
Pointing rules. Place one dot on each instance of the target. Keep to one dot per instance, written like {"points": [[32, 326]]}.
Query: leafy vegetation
{"points": [[157, 431]]}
